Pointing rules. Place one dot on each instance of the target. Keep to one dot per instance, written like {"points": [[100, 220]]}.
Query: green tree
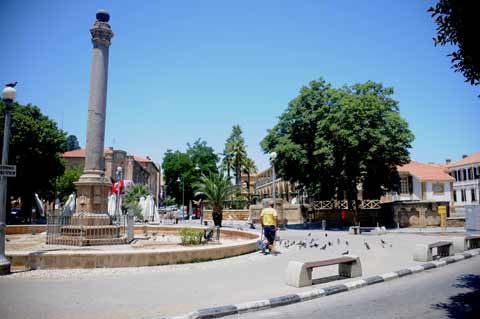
{"points": [[457, 24], [331, 140], [177, 165], [183, 165], [65, 183], [72, 143], [235, 152], [203, 156], [216, 188], [36, 145]]}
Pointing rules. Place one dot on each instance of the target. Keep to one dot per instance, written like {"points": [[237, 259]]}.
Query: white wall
{"points": [[438, 197]]}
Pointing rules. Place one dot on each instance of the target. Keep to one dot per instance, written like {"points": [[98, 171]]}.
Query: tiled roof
{"points": [[470, 159], [141, 159], [81, 153], [426, 172]]}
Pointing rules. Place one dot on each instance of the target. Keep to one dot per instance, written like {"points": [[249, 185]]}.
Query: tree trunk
{"points": [[248, 186], [217, 215], [26, 209]]}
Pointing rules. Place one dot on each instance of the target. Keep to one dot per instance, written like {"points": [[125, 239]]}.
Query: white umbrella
{"points": [[69, 207], [39, 204], [150, 213], [112, 204], [142, 206]]}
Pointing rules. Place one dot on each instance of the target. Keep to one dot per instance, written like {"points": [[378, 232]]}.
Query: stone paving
{"points": [[178, 289]]}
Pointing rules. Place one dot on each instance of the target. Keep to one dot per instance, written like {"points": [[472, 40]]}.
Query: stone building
{"points": [[263, 186], [140, 170], [466, 186]]}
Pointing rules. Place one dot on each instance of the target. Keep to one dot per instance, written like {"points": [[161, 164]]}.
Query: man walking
{"points": [[269, 224]]}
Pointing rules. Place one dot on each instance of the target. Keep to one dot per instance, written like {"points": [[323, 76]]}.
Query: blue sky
{"points": [[180, 70]]}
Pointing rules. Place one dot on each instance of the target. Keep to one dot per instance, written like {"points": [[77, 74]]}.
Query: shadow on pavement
{"points": [[464, 305]]}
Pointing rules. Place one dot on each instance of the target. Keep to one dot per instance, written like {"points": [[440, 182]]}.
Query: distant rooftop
{"points": [[470, 159], [426, 172]]}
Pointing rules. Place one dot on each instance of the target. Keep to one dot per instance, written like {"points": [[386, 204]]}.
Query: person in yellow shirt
{"points": [[269, 224]]}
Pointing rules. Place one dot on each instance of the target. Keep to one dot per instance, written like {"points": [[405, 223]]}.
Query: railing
{"points": [[89, 229], [344, 204]]}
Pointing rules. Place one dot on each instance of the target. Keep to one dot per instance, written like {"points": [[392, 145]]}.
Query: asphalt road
{"points": [[449, 292]]}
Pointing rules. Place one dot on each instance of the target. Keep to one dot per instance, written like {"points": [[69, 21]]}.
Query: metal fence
{"points": [[88, 229]]}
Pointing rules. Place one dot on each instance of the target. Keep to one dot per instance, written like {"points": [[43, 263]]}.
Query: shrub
{"points": [[191, 236]]}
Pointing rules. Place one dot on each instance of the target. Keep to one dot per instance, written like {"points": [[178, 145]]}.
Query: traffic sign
{"points": [[8, 170]]}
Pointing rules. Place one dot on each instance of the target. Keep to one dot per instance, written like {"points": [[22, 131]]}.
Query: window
{"points": [[464, 175], [470, 173], [462, 192], [455, 173], [473, 194], [460, 175], [438, 188], [404, 189], [454, 196]]}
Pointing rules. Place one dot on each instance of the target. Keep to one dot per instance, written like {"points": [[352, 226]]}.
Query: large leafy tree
{"points": [[235, 153], [184, 166], [216, 188], [36, 145], [457, 24], [330, 140], [203, 157], [72, 143]]}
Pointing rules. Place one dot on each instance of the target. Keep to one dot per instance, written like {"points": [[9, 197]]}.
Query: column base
{"points": [[5, 267]]}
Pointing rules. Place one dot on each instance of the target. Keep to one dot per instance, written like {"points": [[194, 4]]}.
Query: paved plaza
{"points": [[178, 289]]}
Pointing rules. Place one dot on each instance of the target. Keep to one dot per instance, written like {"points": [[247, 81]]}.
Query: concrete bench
{"points": [[424, 252], [465, 243], [299, 274], [357, 230]]}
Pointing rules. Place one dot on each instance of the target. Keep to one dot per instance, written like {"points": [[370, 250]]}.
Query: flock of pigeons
{"points": [[310, 242]]}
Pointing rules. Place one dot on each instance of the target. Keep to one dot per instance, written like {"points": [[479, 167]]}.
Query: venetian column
{"points": [[93, 187]]}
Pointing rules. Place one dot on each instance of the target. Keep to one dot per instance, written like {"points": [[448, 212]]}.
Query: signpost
{"points": [[8, 170], [442, 211]]}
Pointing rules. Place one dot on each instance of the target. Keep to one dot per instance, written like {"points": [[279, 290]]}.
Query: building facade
{"points": [[466, 174], [142, 171]]}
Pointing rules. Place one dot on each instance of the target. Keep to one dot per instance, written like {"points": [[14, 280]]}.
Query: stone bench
{"points": [[424, 252], [357, 230], [465, 243], [299, 274]]}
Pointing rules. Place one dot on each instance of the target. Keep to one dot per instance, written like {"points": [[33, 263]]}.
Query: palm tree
{"points": [[216, 188], [248, 167]]}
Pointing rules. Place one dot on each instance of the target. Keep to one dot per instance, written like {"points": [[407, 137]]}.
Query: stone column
{"points": [[93, 187]]}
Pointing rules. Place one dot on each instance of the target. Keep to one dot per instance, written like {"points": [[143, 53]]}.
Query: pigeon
{"points": [[330, 244], [383, 241], [323, 247], [345, 253], [315, 245], [309, 234], [11, 84], [293, 242], [390, 245], [346, 242], [326, 235], [311, 241], [338, 241], [366, 245]]}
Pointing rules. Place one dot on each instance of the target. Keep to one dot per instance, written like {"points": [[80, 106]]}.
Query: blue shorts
{"points": [[269, 233]]}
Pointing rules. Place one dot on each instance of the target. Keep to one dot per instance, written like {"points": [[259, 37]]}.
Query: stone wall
{"points": [[415, 213], [229, 214]]}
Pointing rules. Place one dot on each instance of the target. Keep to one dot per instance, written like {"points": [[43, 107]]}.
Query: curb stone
{"points": [[217, 312]]}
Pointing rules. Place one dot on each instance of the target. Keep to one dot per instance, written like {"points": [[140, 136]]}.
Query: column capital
{"points": [[101, 33]]}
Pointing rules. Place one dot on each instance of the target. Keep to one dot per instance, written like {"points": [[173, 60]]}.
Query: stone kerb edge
{"points": [[131, 258], [258, 305]]}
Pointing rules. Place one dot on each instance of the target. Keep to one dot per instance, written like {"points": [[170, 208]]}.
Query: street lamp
{"points": [[183, 196], [8, 94], [273, 157], [119, 185]]}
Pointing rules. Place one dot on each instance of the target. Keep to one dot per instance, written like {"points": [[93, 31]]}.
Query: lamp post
{"points": [[117, 202], [183, 196], [197, 168], [273, 157], [8, 94]]}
